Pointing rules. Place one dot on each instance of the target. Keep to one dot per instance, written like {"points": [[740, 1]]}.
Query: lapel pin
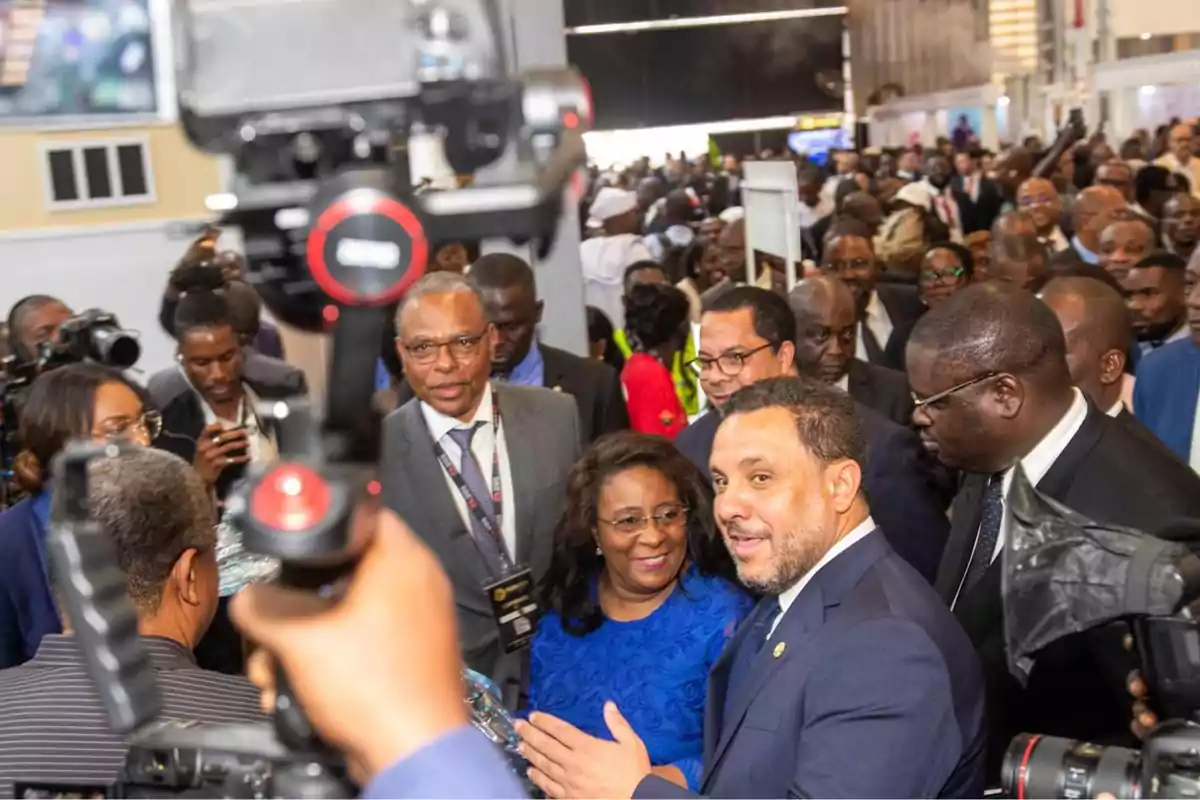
{"points": [[779, 648], [558, 388]]}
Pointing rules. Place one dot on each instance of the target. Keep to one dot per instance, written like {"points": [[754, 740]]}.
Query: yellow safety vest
{"points": [[687, 382]]}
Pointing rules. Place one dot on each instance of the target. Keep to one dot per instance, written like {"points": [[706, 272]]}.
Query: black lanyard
{"points": [[493, 526]]}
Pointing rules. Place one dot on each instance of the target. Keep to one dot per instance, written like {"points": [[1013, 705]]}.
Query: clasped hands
{"points": [[568, 763]]}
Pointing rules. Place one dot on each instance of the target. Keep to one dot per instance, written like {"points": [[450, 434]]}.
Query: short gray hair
{"points": [[437, 283], [153, 506]]}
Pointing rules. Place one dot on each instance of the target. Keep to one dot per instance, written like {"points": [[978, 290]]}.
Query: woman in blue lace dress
{"points": [[638, 605]]}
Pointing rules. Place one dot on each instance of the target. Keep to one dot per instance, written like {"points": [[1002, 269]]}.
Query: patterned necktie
{"points": [[989, 531], [481, 490]]}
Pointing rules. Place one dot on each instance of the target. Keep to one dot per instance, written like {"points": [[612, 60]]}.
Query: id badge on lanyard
{"points": [[514, 606]]}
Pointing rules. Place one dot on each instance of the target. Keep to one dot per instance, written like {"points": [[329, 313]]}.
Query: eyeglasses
{"points": [[667, 518], [932, 276], [730, 364], [149, 424], [934, 398], [461, 348]]}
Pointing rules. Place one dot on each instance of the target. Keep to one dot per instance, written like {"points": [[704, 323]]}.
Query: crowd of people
{"points": [[749, 545]]}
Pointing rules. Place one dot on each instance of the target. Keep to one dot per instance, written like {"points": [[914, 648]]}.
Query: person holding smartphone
{"points": [[209, 405]]}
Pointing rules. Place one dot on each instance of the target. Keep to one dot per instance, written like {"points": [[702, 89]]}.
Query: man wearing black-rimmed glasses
{"points": [[993, 390], [748, 335], [477, 470]]}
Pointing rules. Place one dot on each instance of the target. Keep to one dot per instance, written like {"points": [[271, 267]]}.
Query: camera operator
{"points": [[379, 671], [76, 401], [159, 516], [210, 420], [34, 321]]}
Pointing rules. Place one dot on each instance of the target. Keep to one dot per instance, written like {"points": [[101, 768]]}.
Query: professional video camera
{"points": [[94, 335], [314, 102], [1064, 574]]}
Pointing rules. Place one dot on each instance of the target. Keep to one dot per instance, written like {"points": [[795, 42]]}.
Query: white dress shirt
{"points": [[843, 383], [1194, 455], [259, 444], [483, 445], [1191, 170], [1057, 241], [1116, 410], [789, 595], [1036, 464], [810, 215], [878, 322]]}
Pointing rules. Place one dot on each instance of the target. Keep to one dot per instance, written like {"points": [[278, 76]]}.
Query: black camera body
{"points": [[1149, 582], [94, 335]]}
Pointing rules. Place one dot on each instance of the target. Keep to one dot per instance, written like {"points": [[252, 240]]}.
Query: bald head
{"points": [[1092, 210], [826, 318], [1097, 330], [1118, 175], [991, 328], [814, 296]]}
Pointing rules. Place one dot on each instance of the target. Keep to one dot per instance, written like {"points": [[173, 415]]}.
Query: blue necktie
{"points": [[751, 645], [481, 489]]}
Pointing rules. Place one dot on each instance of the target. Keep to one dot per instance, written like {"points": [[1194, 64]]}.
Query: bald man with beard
{"points": [[826, 339], [1091, 212]]}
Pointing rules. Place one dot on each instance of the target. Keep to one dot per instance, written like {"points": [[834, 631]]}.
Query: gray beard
{"points": [[791, 562]]}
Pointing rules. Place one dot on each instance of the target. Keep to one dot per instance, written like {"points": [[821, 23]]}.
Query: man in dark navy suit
{"points": [[851, 677], [749, 334]]}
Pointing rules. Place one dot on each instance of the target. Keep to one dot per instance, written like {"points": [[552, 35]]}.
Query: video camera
{"points": [[314, 102], [94, 335], [1064, 574]]}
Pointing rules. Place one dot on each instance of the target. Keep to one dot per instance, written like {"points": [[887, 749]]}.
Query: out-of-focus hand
{"points": [[378, 670], [568, 763], [217, 448], [1143, 719]]}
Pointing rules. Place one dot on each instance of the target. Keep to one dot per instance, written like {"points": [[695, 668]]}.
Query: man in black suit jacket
{"points": [[886, 311], [508, 288], [983, 198], [990, 364], [748, 335], [826, 337]]}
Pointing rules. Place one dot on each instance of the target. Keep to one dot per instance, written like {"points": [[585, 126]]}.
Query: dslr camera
{"points": [[94, 335], [1151, 582]]}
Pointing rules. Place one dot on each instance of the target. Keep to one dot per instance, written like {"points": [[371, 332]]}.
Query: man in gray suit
{"points": [[477, 470]]}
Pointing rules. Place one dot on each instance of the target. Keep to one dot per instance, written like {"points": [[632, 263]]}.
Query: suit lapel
{"points": [[789, 646], [519, 436], [859, 382], [803, 619], [964, 524], [424, 478], [1057, 481]]}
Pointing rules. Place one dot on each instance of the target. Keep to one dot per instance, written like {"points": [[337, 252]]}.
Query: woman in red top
{"points": [[656, 323]]}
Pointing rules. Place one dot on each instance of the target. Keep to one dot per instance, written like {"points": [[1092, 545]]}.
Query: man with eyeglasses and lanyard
{"points": [[993, 390], [748, 335], [478, 471]]}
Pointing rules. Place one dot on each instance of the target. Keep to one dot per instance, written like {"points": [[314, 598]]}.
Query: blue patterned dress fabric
{"points": [[655, 669]]}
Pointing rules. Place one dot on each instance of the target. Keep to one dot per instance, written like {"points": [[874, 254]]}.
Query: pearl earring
{"points": [[599, 552]]}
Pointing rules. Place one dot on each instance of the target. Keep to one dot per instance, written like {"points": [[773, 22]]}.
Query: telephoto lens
{"points": [[1037, 766]]}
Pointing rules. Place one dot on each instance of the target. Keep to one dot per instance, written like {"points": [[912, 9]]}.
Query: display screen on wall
{"points": [[711, 74], [63, 58]]}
